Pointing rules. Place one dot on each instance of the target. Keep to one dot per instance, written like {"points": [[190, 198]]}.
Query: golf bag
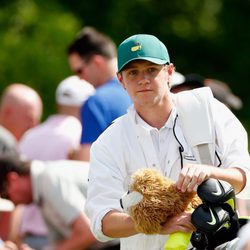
{"points": [[216, 220]]}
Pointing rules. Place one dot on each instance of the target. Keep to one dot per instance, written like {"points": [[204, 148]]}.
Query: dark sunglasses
{"points": [[85, 61]]}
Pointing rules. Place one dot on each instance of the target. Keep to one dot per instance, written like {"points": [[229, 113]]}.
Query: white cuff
{"points": [[245, 192], [96, 227]]}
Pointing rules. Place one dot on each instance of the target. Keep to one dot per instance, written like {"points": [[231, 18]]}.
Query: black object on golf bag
{"points": [[215, 219]]}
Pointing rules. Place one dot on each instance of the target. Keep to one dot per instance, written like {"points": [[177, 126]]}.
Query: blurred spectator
{"points": [[223, 93], [54, 139], [61, 132], [8, 146], [221, 90], [58, 188], [186, 82], [20, 109], [7, 143], [92, 56]]}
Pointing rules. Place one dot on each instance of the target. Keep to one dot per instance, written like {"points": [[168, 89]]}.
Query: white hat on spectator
{"points": [[177, 79], [73, 91]]}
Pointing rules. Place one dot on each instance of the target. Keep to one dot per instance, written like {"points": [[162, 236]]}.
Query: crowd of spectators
{"points": [[44, 165]]}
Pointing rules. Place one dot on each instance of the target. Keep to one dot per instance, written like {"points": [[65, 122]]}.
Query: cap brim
{"points": [[150, 59]]}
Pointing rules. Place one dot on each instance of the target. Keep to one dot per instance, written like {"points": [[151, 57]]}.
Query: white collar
{"points": [[139, 121]]}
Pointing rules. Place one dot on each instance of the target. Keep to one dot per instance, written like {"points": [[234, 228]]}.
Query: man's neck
{"points": [[156, 117], [108, 73]]}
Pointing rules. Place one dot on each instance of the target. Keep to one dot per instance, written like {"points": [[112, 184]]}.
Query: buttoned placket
{"points": [[148, 149], [164, 144], [159, 147]]}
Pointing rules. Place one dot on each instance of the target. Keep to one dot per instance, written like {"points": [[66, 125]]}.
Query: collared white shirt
{"points": [[128, 145], [160, 137]]}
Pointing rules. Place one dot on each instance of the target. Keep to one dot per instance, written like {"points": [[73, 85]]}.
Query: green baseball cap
{"points": [[142, 47]]}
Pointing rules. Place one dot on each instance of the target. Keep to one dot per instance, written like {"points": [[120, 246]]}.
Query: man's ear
{"points": [[171, 69], [170, 73]]}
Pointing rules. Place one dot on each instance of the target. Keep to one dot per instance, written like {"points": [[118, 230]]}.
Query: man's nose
{"points": [[144, 79]]}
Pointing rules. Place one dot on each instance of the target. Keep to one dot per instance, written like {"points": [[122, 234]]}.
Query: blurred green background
{"points": [[208, 37]]}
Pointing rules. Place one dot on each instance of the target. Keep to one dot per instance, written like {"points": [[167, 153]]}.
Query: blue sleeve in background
{"points": [[108, 103], [93, 122]]}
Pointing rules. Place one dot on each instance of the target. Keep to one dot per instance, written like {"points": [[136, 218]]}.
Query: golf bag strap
{"points": [[196, 119], [204, 154]]}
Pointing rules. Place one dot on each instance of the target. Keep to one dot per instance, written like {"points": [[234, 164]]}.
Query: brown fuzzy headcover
{"points": [[161, 200]]}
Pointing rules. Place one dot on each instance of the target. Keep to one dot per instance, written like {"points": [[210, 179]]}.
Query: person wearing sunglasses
{"points": [[92, 56]]}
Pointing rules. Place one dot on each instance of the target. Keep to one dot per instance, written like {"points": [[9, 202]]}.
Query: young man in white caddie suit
{"points": [[151, 135]]}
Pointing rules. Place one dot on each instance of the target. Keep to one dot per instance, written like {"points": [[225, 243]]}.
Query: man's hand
{"points": [[192, 175], [180, 223]]}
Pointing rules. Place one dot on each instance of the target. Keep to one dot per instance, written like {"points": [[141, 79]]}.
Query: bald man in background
{"points": [[20, 109]]}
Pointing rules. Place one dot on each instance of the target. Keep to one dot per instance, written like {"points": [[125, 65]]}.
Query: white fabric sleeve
{"points": [[64, 197], [232, 143], [96, 227], [245, 192], [105, 184]]}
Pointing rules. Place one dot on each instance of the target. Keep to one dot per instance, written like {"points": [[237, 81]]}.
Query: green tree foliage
{"points": [[209, 37], [33, 43]]}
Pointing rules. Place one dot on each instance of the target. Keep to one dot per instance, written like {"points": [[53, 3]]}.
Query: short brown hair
{"points": [[8, 165], [91, 42]]}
